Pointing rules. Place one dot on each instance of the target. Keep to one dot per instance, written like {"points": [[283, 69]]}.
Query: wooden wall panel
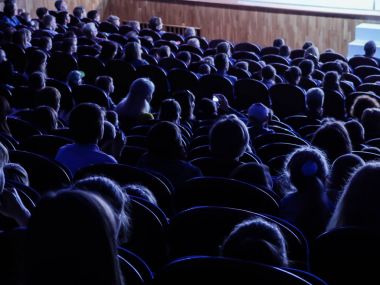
{"points": [[246, 24], [234, 23]]}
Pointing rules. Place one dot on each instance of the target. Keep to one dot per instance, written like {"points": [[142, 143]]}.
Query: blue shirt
{"points": [[13, 22], [76, 156]]}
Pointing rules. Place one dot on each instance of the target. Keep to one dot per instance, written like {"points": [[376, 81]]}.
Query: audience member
{"points": [[86, 125], [314, 105], [132, 54], [268, 73], [258, 118], [166, 154], [170, 111], [361, 103], [308, 206], [155, 24], [370, 51], [256, 240], [356, 132], [370, 121]]}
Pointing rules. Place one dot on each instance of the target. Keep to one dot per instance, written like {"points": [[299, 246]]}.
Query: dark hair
{"points": [[45, 118], [41, 12], [307, 44], [140, 191], [361, 103], [284, 51], [268, 72], [165, 140], [206, 109], [86, 123], [154, 22], [72, 237], [61, 17], [223, 47], [371, 123], [279, 42], [184, 56], [370, 48], [77, 12], [37, 80], [104, 82], [170, 110], [221, 61], [254, 173], [186, 100], [332, 132], [112, 193], [36, 61], [341, 170], [228, 138], [132, 51], [306, 66], [49, 96], [68, 44], [109, 50], [293, 75], [92, 14], [331, 81], [356, 132], [256, 240]]}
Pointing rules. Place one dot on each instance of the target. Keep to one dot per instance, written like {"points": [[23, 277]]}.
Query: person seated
{"points": [[132, 54], [268, 74], [138, 190], [229, 140], [332, 131], [358, 205], [63, 21], [105, 83], [170, 111], [74, 78], [278, 42], [370, 121], [341, 171], [307, 69], [194, 42], [49, 26], [72, 235], [46, 45], [225, 47], [9, 17], [91, 32], [189, 32], [70, 47], [285, 52], [361, 103], [61, 5], [184, 56], [135, 107], [155, 24], [48, 96], [314, 105], [206, 109], [256, 240], [86, 123], [79, 13], [357, 134], [135, 25], [222, 65], [41, 12], [203, 69], [163, 52], [312, 53], [94, 17], [114, 20], [166, 154], [45, 119], [370, 51], [306, 204], [293, 75], [258, 118]]}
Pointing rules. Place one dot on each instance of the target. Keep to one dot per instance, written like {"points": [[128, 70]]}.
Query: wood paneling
{"points": [[235, 23], [247, 23]]}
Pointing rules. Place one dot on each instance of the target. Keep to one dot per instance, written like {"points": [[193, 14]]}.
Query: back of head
{"points": [[165, 140], [313, 51], [370, 48], [284, 51], [37, 80], [361, 103], [45, 118], [293, 75], [359, 204], [112, 194], [371, 122], [170, 110], [221, 61], [86, 123], [204, 68], [163, 51], [258, 114], [279, 42], [138, 190], [78, 12], [49, 96], [41, 12], [356, 132], [268, 72], [314, 100], [242, 65], [92, 14], [342, 169], [307, 44], [189, 32], [305, 166], [132, 51], [307, 67], [256, 240], [184, 56], [228, 138], [332, 132], [72, 237], [223, 47], [254, 173]]}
